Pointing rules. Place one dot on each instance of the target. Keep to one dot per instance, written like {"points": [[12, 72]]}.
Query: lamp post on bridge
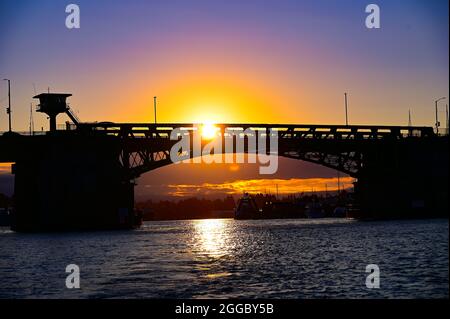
{"points": [[447, 118], [437, 119], [154, 106], [8, 110], [346, 110]]}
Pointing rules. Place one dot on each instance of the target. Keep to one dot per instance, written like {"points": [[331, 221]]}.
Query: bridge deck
{"points": [[145, 146], [163, 130]]}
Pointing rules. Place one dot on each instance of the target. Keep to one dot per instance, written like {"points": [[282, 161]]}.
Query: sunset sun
{"points": [[209, 130]]}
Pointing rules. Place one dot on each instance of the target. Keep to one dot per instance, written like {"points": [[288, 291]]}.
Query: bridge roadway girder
{"points": [[147, 146]]}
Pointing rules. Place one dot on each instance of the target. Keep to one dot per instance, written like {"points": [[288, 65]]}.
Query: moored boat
{"points": [[5, 217], [247, 208], [314, 210]]}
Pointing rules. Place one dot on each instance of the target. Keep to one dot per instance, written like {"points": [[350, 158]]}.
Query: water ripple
{"points": [[232, 259]]}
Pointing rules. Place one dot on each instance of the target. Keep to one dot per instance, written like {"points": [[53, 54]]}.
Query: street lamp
{"points": [[346, 110], [154, 106], [437, 120], [8, 110]]}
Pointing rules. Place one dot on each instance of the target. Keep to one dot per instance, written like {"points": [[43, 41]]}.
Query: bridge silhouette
{"points": [[146, 147], [83, 177]]}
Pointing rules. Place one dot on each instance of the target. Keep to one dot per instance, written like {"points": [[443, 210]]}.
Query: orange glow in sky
{"points": [[285, 186]]}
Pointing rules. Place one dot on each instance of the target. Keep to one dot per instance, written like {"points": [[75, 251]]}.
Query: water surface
{"points": [[225, 258]]}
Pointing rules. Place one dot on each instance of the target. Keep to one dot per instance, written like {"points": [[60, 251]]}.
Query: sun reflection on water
{"points": [[211, 237]]}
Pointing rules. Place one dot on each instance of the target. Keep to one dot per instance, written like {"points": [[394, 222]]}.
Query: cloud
{"points": [[285, 186], [5, 168]]}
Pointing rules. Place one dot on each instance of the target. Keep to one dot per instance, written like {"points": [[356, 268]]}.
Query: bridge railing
{"points": [[287, 131], [284, 131], [26, 133]]}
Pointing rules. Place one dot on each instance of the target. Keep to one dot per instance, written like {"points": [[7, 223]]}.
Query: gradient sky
{"points": [[228, 61]]}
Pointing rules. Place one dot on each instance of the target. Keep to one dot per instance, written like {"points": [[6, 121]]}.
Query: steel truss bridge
{"points": [[145, 147], [83, 177]]}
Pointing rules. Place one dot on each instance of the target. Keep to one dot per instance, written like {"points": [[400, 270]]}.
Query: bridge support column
{"points": [[406, 180], [72, 184]]}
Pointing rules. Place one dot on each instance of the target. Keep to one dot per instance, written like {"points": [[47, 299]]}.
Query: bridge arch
{"points": [[345, 163], [145, 147]]}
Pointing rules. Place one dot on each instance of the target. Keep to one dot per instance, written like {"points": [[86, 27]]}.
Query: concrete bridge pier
{"points": [[407, 179], [71, 183]]}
